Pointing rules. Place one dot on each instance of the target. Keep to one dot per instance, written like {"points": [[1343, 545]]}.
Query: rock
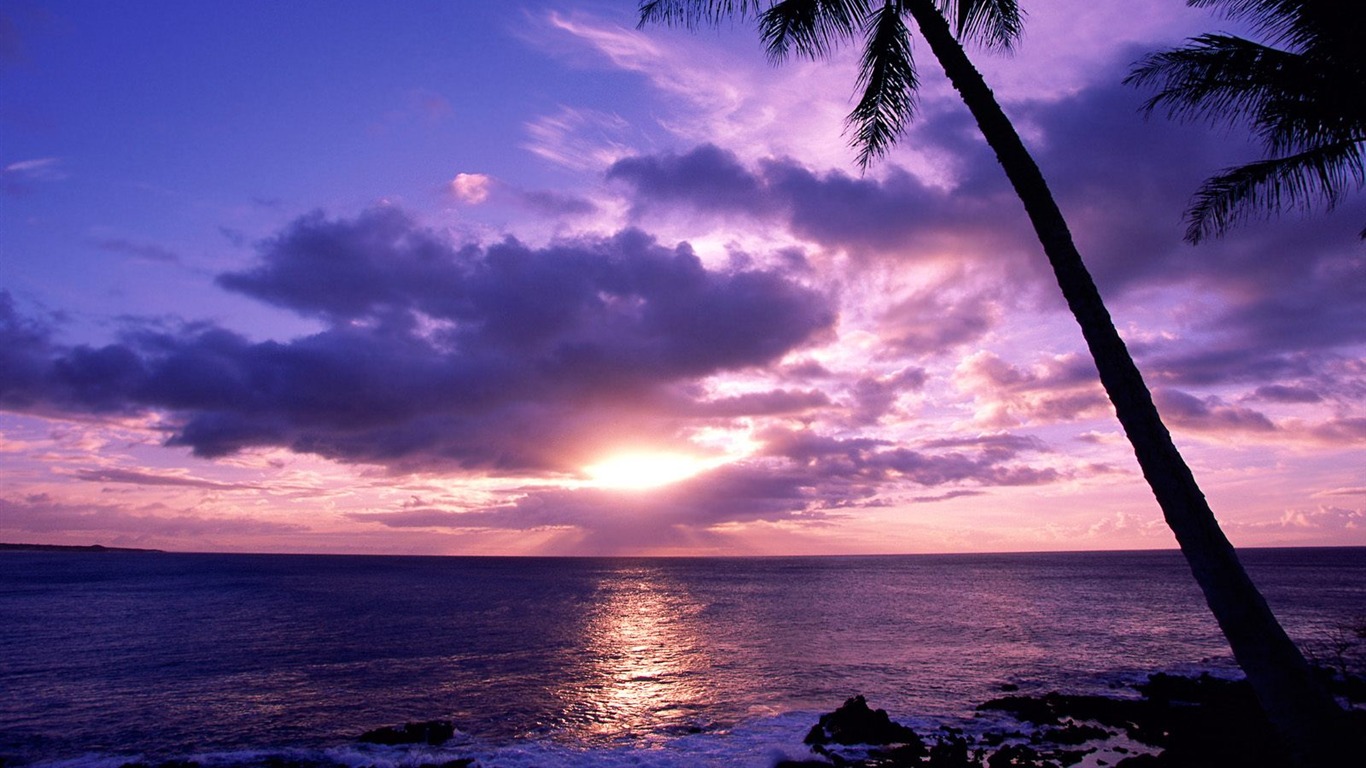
{"points": [[873, 738], [951, 751], [1073, 734], [433, 732], [857, 723], [1016, 756]]}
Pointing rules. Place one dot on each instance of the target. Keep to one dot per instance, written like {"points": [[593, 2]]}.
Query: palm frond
{"points": [[1291, 125], [812, 27], [1321, 176], [692, 14], [1216, 77], [991, 23], [888, 79], [1280, 22]]}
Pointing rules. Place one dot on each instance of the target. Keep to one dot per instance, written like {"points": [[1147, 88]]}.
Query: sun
{"points": [[638, 471]]}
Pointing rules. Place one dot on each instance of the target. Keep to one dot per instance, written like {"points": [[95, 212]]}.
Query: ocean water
{"points": [[109, 658]]}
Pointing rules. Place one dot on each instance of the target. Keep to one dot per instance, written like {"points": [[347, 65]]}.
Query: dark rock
{"points": [[1018, 756], [1073, 734], [1352, 687], [1202, 722], [951, 752], [1165, 689], [997, 738], [1071, 756], [1009, 687], [433, 732], [1051, 709], [857, 723]]}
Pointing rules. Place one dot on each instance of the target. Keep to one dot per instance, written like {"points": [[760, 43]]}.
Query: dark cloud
{"points": [[708, 178], [143, 251], [772, 403], [24, 357], [1281, 393], [874, 398], [1183, 410], [501, 358], [556, 203], [984, 460], [896, 215]]}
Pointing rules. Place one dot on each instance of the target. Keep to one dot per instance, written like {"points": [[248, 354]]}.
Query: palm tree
{"points": [[1309, 721], [1303, 91]]}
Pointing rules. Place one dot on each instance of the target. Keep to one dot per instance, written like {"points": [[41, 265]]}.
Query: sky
{"points": [[512, 277]]}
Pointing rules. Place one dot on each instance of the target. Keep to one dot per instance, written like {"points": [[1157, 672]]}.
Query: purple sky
{"points": [[515, 277]]}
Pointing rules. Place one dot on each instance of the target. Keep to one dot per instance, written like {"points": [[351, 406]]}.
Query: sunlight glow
{"points": [[637, 471]]}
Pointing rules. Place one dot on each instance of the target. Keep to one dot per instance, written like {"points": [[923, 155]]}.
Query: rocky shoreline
{"points": [[1178, 722], [1168, 721]]}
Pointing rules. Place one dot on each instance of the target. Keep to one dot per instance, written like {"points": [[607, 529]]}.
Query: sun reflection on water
{"points": [[645, 661]]}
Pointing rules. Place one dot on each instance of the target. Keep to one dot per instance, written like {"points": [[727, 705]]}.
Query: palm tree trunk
{"points": [[1310, 723]]}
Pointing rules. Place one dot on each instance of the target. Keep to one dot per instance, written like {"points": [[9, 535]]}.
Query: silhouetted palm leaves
{"points": [[1306, 716], [1302, 90], [815, 28]]}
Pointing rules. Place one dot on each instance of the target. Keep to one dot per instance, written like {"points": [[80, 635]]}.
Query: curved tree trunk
{"points": [[1308, 720]]}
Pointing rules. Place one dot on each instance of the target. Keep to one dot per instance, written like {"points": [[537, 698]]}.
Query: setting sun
{"points": [[636, 471]]}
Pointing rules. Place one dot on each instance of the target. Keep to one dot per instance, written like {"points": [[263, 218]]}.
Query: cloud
{"points": [[1274, 301], [930, 321], [143, 251], [18, 177], [867, 462], [471, 188], [707, 178], [897, 214], [40, 513], [503, 358], [580, 139], [139, 477], [875, 397], [1325, 518], [1281, 393], [709, 90], [1340, 431], [799, 479], [1180, 409], [556, 204], [1056, 389]]}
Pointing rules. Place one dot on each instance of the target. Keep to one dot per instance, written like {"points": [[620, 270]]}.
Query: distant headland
{"points": [[68, 548]]}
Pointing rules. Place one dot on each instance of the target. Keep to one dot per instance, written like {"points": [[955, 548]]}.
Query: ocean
{"points": [[234, 660]]}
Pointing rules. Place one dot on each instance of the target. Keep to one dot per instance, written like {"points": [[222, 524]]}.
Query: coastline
{"points": [[1174, 721], [4, 547]]}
